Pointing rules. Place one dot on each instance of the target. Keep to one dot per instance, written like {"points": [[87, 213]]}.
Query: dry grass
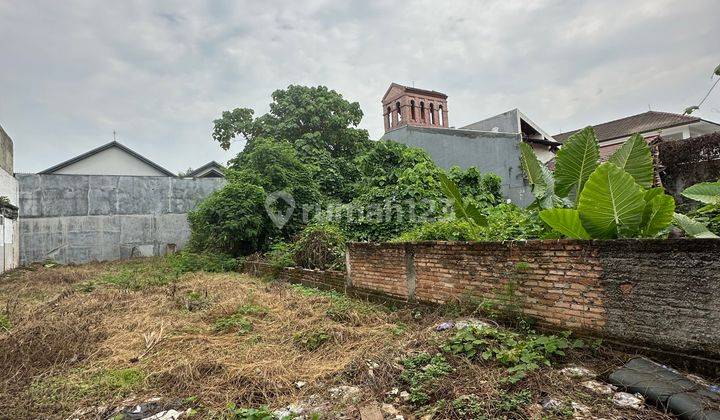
{"points": [[96, 335]]}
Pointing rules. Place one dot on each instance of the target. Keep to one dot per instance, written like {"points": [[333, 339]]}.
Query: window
{"points": [[399, 110], [432, 114], [441, 116], [422, 110], [389, 117], [412, 110]]}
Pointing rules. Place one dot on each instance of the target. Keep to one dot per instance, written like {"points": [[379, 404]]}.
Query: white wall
{"points": [[9, 229], [112, 161]]}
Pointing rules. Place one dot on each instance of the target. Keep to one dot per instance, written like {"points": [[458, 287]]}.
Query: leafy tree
{"points": [[318, 122], [586, 200]]}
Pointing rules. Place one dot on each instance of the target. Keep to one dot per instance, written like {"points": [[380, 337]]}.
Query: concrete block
{"points": [[137, 229], [103, 195], [29, 195], [64, 195], [187, 193], [172, 229], [143, 195]]}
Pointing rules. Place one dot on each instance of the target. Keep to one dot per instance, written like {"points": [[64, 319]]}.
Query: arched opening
{"points": [[432, 114], [422, 110], [412, 110], [399, 110], [441, 117], [389, 117]]}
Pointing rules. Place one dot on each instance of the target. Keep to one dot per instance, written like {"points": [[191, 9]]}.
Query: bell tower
{"points": [[405, 105]]}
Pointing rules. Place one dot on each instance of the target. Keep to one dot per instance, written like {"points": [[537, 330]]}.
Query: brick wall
{"points": [[657, 293], [661, 294]]}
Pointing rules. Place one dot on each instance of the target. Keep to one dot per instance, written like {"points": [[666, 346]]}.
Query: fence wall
{"points": [[82, 218]]}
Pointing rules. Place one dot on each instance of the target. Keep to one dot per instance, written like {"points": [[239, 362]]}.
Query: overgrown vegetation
{"points": [[70, 350], [704, 222], [520, 353]]}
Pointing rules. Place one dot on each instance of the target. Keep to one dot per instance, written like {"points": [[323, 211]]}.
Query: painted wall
{"points": [[489, 152], [9, 228], [83, 218], [112, 161]]}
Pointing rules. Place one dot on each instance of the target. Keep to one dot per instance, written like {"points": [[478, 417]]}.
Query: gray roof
{"points": [[212, 165], [640, 123], [105, 147]]}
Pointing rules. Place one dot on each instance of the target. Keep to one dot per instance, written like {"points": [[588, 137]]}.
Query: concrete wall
{"points": [[489, 152], [9, 228], [82, 218], [6, 152], [112, 161]]}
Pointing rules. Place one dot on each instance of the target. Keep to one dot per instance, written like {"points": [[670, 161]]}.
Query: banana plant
{"points": [[707, 193], [588, 200], [463, 210]]}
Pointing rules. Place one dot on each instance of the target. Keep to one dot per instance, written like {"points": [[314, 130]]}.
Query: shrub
{"points": [[320, 246], [184, 262], [280, 255], [235, 322], [443, 230], [231, 220], [421, 373]]}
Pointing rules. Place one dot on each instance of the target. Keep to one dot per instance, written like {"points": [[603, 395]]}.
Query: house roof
{"points": [[640, 123], [106, 147], [208, 167], [411, 89]]}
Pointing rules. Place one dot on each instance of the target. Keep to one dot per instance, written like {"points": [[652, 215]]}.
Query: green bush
{"points": [[280, 255], [231, 220], [443, 230], [320, 246], [184, 262]]}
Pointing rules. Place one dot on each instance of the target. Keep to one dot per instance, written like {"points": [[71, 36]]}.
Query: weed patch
{"points": [[520, 353], [185, 262], [311, 340], [5, 324], [421, 374]]}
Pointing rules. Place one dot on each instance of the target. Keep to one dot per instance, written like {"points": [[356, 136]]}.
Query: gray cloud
{"points": [[160, 72]]}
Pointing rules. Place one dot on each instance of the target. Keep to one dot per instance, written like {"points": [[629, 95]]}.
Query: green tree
{"points": [[318, 122]]}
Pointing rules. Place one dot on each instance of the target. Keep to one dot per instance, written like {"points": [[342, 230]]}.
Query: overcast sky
{"points": [[71, 72]]}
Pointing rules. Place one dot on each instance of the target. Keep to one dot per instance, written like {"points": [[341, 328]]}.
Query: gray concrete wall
{"points": [[489, 152], [507, 122], [6, 152], [83, 218]]}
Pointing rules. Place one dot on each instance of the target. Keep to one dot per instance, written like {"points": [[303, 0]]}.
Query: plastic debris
{"points": [[625, 400]]}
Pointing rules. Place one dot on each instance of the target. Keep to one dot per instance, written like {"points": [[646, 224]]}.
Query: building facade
{"points": [[404, 105]]}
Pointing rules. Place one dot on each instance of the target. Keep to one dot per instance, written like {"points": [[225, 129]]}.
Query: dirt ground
{"points": [[89, 338]]}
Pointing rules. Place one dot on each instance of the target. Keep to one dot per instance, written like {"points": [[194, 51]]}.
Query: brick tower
{"points": [[405, 105]]}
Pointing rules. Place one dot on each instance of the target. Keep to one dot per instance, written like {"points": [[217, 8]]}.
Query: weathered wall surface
{"points": [[6, 152], [9, 227], [688, 162], [659, 293], [82, 218], [489, 152]]}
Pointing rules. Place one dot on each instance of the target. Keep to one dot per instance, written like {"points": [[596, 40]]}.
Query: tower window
{"points": [[399, 111], [441, 116], [422, 110], [412, 110], [389, 117], [432, 114]]}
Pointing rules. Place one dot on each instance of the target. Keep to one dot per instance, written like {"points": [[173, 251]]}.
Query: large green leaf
{"points": [[537, 174], [565, 221], [463, 211], [658, 214], [705, 192], [574, 163], [611, 204], [634, 157], [692, 227]]}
